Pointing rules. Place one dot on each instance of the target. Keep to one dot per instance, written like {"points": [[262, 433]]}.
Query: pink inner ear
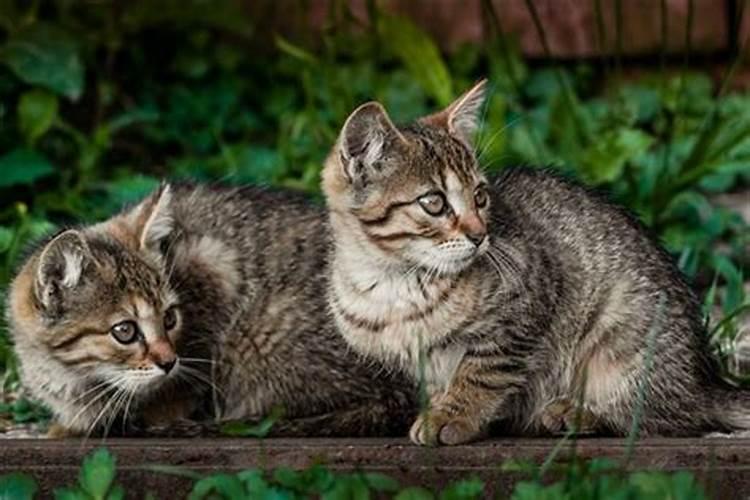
{"points": [[439, 119]]}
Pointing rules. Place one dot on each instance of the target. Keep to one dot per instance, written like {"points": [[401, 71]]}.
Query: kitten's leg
{"points": [[474, 398]]}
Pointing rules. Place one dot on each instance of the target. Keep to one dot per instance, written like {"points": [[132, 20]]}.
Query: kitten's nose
{"points": [[474, 228], [477, 238], [167, 365]]}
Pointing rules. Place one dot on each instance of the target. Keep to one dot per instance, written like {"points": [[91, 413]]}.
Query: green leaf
{"points": [[255, 482], [289, 478], [246, 429], [465, 489], [224, 485], [6, 238], [23, 166], [116, 493], [48, 56], [255, 164], [419, 54], [130, 189], [37, 111], [71, 494], [97, 473], [605, 159], [380, 482], [17, 486], [414, 493]]}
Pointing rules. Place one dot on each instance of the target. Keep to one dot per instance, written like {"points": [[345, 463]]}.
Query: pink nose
{"points": [[162, 354], [474, 228]]}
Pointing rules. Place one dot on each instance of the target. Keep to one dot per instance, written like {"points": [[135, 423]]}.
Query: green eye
{"points": [[125, 332], [481, 198], [170, 318], [433, 203]]}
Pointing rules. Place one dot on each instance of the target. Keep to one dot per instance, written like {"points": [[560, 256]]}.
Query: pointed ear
{"points": [[462, 117], [62, 263], [367, 136], [153, 219]]}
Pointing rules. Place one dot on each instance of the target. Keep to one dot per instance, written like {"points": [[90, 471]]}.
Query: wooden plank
{"points": [[722, 464]]}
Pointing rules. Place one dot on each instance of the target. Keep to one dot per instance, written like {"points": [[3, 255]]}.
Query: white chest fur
{"points": [[397, 320]]}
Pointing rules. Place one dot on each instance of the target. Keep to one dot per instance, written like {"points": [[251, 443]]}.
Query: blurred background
{"points": [[644, 99]]}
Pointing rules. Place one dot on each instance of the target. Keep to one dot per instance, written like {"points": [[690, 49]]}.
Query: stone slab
{"points": [[721, 464]]}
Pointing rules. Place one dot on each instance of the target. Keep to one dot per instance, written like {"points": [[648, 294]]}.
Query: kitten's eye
{"points": [[480, 197], [433, 203], [125, 332], [170, 318]]}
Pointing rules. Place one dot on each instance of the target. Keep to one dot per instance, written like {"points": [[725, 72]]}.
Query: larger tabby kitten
{"points": [[511, 299], [200, 303]]}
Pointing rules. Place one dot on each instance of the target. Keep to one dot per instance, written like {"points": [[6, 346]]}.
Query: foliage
{"points": [[95, 480], [579, 480], [601, 478]]}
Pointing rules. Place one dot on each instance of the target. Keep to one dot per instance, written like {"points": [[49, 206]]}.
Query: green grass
{"points": [[93, 115]]}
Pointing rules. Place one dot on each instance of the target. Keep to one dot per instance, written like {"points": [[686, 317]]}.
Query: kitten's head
{"points": [[97, 302], [413, 193]]}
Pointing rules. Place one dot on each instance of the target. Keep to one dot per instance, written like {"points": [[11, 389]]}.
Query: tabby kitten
{"points": [[510, 299], [201, 303]]}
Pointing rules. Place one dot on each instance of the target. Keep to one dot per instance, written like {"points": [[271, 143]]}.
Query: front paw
{"points": [[59, 431], [436, 427]]}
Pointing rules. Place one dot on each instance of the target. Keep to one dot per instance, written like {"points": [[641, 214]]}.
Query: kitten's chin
{"points": [[448, 267]]}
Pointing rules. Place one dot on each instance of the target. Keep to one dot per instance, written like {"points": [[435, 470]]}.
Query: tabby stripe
{"points": [[444, 295], [365, 324], [377, 326], [399, 235], [88, 358], [72, 339], [441, 176], [490, 385], [422, 288], [503, 365], [387, 213]]}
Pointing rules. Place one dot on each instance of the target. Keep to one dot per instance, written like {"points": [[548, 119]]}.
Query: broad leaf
{"points": [[97, 473], [17, 486], [37, 111], [48, 56], [23, 166], [420, 55]]}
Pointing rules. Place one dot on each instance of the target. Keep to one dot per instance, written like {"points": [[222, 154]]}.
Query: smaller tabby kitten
{"points": [[200, 304], [511, 299]]}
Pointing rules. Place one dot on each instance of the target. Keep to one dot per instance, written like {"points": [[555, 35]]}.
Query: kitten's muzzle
{"points": [[477, 238], [167, 365]]}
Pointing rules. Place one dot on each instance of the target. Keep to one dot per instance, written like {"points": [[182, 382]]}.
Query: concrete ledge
{"points": [[722, 464]]}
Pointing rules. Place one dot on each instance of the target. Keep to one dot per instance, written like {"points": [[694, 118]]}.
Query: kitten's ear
{"points": [[62, 263], [462, 117], [365, 139], [153, 219]]}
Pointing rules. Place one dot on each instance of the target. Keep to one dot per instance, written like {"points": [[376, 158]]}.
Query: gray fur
{"points": [[557, 305], [245, 267]]}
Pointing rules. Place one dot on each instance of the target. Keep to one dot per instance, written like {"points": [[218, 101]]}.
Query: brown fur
{"points": [[510, 312]]}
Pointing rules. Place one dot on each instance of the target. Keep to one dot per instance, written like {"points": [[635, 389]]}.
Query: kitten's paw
{"points": [[58, 431], [562, 415], [437, 427]]}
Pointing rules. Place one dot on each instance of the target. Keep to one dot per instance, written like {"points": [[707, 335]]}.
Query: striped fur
{"points": [[560, 303], [245, 269]]}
